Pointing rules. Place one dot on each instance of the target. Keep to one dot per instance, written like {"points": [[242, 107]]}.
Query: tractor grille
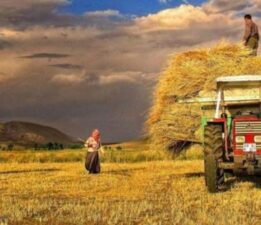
{"points": [[250, 127], [240, 146]]}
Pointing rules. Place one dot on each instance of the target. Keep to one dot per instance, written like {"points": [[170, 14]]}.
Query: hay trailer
{"points": [[232, 137]]}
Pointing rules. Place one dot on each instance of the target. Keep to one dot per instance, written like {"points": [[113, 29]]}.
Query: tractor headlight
{"points": [[257, 139], [241, 139]]}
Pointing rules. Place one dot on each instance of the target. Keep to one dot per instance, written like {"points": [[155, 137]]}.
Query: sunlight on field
{"points": [[167, 192]]}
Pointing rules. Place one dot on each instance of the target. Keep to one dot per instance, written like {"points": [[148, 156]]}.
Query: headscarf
{"points": [[96, 135]]}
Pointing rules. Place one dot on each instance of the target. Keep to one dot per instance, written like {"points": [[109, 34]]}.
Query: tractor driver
{"points": [[251, 36]]}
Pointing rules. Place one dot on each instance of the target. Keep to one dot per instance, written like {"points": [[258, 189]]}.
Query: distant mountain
{"points": [[29, 134]]}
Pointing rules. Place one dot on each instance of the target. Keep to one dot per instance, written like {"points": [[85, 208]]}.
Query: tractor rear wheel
{"points": [[213, 154]]}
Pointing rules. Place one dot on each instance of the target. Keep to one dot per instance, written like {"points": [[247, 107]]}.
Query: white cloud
{"points": [[167, 1], [67, 79], [125, 76], [164, 1], [104, 80], [105, 13], [183, 17]]}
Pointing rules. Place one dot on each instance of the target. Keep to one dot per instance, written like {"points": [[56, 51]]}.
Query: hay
{"points": [[192, 74]]}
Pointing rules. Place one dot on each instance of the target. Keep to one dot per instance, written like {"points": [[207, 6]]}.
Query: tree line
{"points": [[48, 146]]}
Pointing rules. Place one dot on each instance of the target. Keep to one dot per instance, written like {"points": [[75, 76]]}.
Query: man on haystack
{"points": [[251, 36]]}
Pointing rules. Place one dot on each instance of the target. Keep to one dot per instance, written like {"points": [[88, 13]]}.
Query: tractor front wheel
{"points": [[213, 154]]}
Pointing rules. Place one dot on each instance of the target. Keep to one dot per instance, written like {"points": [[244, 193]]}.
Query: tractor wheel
{"points": [[213, 153]]}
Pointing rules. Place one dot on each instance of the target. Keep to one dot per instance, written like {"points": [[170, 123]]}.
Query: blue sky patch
{"points": [[129, 7]]}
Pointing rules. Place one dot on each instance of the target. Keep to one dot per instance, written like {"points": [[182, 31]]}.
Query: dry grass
{"points": [[192, 74], [128, 154], [168, 192], [131, 152]]}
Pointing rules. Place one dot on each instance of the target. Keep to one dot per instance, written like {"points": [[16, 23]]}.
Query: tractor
{"points": [[232, 137]]}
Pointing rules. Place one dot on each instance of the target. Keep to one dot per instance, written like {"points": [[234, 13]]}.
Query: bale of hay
{"points": [[192, 74]]}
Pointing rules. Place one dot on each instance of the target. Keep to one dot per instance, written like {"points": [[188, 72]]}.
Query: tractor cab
{"points": [[232, 129], [238, 96]]}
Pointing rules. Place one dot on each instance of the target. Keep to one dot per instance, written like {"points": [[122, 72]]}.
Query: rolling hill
{"points": [[29, 134]]}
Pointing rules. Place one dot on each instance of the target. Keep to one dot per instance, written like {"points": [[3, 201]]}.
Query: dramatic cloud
{"points": [[4, 44], [68, 78], [46, 55], [20, 14], [68, 66], [183, 17], [238, 7], [187, 26], [76, 72], [226, 5]]}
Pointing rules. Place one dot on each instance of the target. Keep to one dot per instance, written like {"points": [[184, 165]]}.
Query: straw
{"points": [[192, 74]]}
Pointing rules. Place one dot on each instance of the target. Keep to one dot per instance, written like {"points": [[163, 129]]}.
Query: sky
{"points": [[127, 7], [83, 64]]}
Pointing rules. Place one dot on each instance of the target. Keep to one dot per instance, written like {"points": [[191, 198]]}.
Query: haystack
{"points": [[192, 74]]}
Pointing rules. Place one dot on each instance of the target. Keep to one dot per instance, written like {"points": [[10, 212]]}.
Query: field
{"points": [[149, 192], [125, 153]]}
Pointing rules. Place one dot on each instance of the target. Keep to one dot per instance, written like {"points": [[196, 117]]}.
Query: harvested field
{"points": [[167, 192]]}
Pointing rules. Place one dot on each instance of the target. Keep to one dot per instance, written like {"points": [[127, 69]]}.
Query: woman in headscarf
{"points": [[93, 144]]}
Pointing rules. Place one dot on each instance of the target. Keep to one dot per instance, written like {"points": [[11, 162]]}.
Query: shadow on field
{"points": [[230, 182], [186, 175], [253, 179], [189, 175], [28, 171]]}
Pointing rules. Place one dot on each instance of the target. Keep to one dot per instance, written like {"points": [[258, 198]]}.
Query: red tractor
{"points": [[232, 139]]}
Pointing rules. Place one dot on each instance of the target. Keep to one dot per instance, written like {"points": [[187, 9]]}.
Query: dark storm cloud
{"points": [[21, 14], [68, 66], [45, 55], [116, 34], [77, 109], [4, 44]]}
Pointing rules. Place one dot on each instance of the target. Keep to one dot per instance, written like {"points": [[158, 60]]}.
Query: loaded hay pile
{"points": [[172, 124]]}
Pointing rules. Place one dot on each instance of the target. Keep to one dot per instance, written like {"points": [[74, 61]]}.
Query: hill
{"points": [[29, 134]]}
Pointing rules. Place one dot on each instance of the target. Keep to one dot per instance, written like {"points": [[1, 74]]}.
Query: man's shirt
{"points": [[250, 31]]}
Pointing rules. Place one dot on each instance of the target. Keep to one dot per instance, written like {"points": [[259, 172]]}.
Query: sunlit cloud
{"points": [[68, 79], [183, 17]]}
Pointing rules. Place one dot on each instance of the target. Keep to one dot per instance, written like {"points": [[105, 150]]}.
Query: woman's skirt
{"points": [[92, 162]]}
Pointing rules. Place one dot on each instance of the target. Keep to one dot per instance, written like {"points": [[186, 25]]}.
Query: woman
{"points": [[93, 144]]}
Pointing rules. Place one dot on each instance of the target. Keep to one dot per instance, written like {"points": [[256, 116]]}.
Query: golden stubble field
{"points": [[163, 192]]}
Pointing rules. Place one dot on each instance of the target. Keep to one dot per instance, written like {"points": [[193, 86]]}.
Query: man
{"points": [[251, 36]]}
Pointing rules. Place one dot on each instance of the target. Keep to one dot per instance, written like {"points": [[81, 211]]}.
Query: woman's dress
{"points": [[92, 162]]}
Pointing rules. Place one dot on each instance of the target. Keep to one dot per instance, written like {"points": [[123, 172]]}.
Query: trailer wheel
{"points": [[213, 153]]}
